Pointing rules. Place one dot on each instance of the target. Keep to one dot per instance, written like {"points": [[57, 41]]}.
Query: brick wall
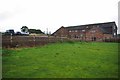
{"points": [[93, 34], [61, 32]]}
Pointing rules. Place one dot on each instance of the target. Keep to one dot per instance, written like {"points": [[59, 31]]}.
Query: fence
{"points": [[28, 41], [112, 40]]}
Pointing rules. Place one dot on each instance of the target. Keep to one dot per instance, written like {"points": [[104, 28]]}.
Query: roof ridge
{"points": [[91, 24]]}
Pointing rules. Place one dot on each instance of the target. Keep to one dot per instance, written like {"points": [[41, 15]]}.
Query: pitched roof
{"points": [[105, 27], [105, 24]]}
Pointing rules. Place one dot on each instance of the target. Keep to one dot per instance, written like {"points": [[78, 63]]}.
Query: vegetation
{"points": [[62, 60], [37, 31], [24, 29]]}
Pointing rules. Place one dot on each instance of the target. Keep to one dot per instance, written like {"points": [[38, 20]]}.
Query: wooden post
{"points": [[11, 39], [34, 40]]}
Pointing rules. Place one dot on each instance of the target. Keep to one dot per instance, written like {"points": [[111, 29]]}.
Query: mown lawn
{"points": [[62, 60]]}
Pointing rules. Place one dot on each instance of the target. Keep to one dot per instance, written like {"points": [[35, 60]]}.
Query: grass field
{"points": [[62, 60]]}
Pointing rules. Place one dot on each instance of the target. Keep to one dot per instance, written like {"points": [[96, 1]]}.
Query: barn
{"points": [[88, 32]]}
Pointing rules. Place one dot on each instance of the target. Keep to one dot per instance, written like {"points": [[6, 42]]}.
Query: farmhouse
{"points": [[89, 32]]}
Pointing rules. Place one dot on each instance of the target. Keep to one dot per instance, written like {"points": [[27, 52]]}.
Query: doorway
{"points": [[93, 38]]}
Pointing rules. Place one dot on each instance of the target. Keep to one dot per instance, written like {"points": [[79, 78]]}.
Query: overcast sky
{"points": [[52, 14]]}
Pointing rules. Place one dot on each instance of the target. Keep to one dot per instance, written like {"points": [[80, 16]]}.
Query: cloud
{"points": [[9, 13], [5, 15]]}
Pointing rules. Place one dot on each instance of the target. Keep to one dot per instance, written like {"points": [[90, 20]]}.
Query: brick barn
{"points": [[89, 32]]}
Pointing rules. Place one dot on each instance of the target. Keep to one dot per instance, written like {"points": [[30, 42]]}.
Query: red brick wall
{"points": [[76, 34], [97, 33], [87, 35], [94, 32], [62, 32], [107, 36]]}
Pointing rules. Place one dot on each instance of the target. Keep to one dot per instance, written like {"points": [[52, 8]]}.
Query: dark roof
{"points": [[105, 27], [106, 24]]}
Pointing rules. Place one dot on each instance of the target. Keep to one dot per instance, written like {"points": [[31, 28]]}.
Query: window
{"points": [[75, 30], [72, 30], [114, 27], [83, 30], [87, 27], [93, 31], [114, 34], [98, 26], [69, 30], [81, 35]]}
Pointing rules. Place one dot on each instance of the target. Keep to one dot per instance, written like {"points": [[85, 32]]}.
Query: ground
{"points": [[62, 60]]}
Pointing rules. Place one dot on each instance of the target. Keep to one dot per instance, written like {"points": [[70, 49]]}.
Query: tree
{"points": [[38, 31], [24, 29]]}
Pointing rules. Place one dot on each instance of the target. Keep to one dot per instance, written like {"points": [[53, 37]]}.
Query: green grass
{"points": [[62, 60]]}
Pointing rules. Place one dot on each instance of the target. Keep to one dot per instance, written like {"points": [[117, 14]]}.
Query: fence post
{"points": [[34, 40], [48, 39], [11, 39]]}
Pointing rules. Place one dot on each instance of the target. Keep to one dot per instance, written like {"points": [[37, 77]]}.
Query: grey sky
{"points": [[52, 14]]}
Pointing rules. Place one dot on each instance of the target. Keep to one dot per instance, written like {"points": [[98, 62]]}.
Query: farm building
{"points": [[89, 32]]}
